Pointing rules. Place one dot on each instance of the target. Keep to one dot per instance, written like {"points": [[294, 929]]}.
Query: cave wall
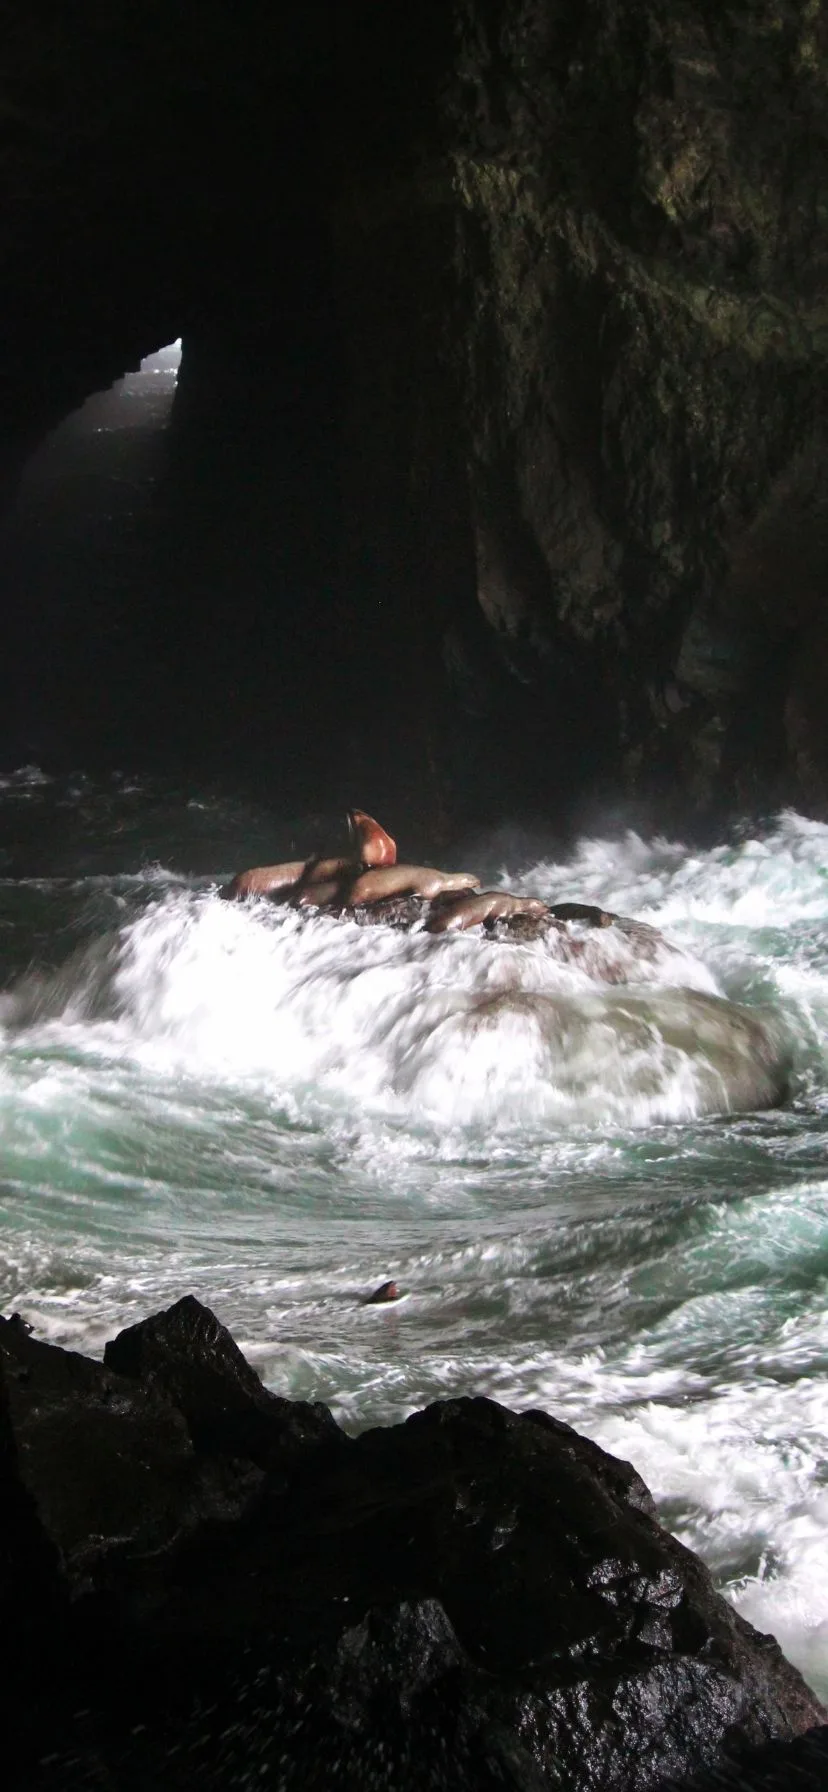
{"points": [[634, 335], [500, 445]]}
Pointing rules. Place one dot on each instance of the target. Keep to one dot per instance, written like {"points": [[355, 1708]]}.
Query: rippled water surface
{"points": [[278, 1115]]}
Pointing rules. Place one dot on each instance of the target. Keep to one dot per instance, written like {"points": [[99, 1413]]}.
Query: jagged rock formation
{"points": [[513, 313], [202, 1582], [627, 208]]}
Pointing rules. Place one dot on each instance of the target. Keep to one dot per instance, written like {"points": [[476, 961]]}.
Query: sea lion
{"points": [[385, 1292], [317, 895], [408, 880], [273, 880], [489, 905], [582, 911], [262, 880], [375, 846]]}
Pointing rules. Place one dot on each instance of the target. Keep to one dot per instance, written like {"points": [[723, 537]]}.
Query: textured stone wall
{"points": [[643, 237], [574, 410], [634, 335]]}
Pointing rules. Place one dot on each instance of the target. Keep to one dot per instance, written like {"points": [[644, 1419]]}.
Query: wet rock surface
{"points": [[554, 925], [188, 1357], [472, 1599]]}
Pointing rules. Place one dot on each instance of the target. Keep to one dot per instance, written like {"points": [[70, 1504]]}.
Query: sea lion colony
{"points": [[371, 886]]}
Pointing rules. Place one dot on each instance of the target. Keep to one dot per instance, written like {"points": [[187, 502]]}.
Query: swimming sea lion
{"points": [[375, 846], [381, 1295], [489, 905], [408, 880]]}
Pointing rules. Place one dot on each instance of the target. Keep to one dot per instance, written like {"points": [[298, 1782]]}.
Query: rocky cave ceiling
{"points": [[506, 326]]}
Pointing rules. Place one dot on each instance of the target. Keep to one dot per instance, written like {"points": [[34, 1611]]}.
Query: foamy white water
{"points": [[577, 1185]]}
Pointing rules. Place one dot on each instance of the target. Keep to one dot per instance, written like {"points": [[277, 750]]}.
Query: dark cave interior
{"points": [[466, 494], [193, 204]]}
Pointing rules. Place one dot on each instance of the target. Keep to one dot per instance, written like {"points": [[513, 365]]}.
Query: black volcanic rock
{"points": [[187, 1355], [798, 1766], [108, 1467], [473, 1599], [30, 1576]]}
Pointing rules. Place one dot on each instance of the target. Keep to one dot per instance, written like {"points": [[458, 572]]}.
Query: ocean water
{"points": [[571, 1182]]}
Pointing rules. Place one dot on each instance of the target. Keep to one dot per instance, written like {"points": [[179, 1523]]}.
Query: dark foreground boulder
{"points": [[474, 1599], [189, 1357], [797, 1766]]}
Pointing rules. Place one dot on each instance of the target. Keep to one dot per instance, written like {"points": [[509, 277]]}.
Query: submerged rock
{"points": [[473, 1599]]}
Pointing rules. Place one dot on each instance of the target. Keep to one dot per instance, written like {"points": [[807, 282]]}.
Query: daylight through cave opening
{"points": [[80, 546]]}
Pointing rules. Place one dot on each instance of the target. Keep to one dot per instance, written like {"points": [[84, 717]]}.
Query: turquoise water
{"points": [[277, 1116]]}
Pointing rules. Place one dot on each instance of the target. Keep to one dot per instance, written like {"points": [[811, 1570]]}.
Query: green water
{"points": [[277, 1117]]}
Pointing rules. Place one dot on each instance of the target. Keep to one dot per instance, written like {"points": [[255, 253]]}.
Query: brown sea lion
{"points": [[272, 880], [324, 894], [582, 911], [261, 880], [405, 880], [374, 846], [489, 905]]}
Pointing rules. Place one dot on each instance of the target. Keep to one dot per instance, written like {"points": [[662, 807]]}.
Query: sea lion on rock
{"points": [[375, 846], [263, 880], [282, 880], [582, 911], [318, 895], [408, 880], [488, 905]]}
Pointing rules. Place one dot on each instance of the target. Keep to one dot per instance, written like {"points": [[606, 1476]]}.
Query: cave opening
{"points": [[171, 550], [79, 546], [403, 337]]}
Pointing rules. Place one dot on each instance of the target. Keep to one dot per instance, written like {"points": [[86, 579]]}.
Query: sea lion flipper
{"points": [[375, 847]]}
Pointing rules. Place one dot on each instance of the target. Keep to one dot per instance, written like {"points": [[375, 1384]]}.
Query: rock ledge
{"points": [[204, 1583]]}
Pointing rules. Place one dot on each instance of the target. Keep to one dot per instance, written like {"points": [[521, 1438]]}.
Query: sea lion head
{"points": [[374, 845]]}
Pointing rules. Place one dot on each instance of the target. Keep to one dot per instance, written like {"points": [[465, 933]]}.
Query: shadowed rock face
{"points": [[626, 545], [505, 330], [472, 1599]]}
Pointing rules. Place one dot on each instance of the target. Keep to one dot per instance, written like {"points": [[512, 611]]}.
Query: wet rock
{"points": [[186, 1354], [798, 1766], [108, 1468], [30, 1576], [473, 1600], [392, 911]]}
